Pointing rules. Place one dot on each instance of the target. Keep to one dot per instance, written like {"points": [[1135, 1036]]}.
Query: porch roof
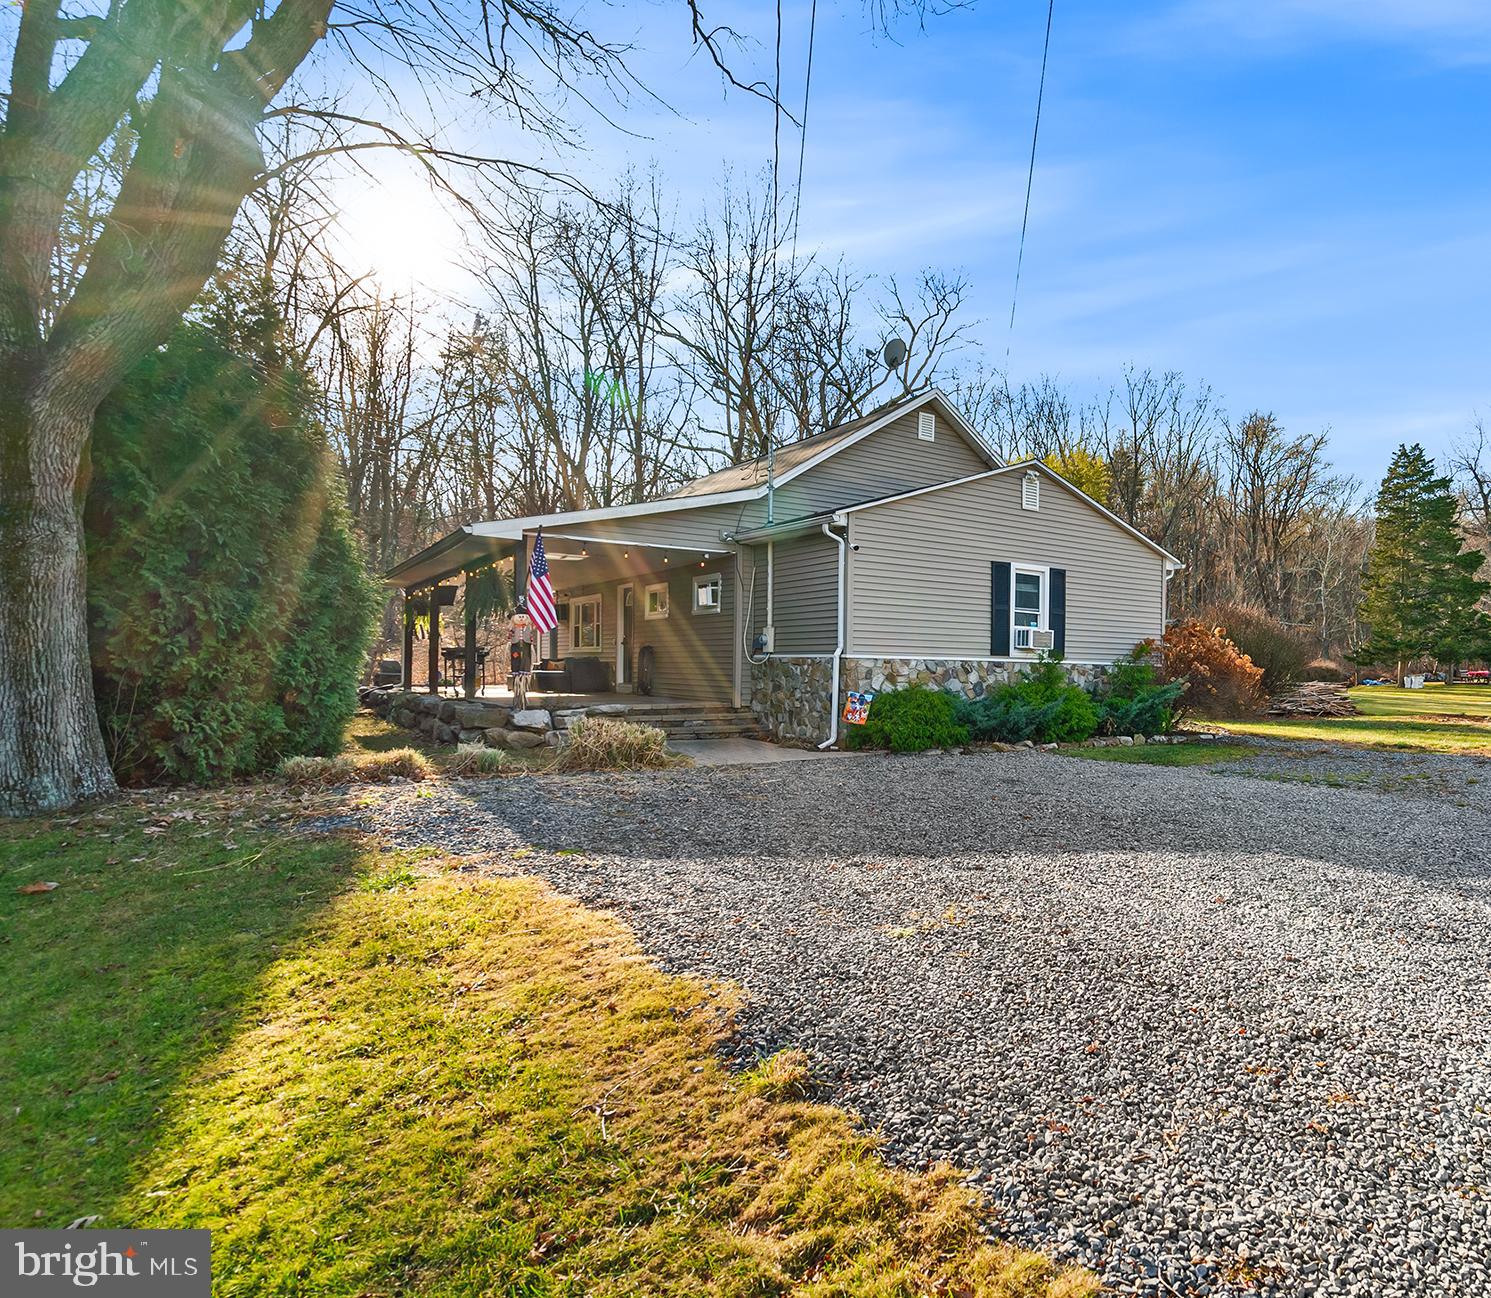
{"points": [[463, 548]]}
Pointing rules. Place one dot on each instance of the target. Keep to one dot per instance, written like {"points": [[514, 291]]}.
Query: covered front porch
{"points": [[638, 616]]}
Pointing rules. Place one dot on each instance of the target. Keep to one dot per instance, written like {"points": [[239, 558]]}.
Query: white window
{"points": [[1028, 610], [926, 426], [655, 601], [1030, 491], [707, 593], [585, 622]]}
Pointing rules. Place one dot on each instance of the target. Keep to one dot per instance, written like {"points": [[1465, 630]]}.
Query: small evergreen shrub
{"points": [[603, 744], [1280, 652], [1133, 700], [1042, 707], [1221, 680], [908, 721]]}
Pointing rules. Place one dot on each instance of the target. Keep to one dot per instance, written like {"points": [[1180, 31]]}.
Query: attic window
{"points": [[1030, 491], [926, 426]]}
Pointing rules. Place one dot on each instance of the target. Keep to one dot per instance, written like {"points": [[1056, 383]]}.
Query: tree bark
{"points": [[51, 749]]}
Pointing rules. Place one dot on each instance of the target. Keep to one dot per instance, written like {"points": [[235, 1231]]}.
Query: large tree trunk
{"points": [[51, 750]]}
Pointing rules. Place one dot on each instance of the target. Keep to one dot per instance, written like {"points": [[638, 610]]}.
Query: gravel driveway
{"points": [[1206, 1033]]}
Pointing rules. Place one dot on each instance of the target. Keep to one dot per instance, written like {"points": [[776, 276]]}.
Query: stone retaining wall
{"points": [[467, 721]]}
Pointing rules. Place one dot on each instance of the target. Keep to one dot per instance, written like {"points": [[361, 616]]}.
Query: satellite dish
{"points": [[895, 353]]}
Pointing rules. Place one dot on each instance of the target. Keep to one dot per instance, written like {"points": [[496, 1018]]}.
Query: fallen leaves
{"points": [[32, 889]]}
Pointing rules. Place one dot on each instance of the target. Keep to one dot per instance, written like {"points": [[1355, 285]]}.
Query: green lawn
{"points": [[371, 1074], [1165, 754], [1451, 719], [1432, 700]]}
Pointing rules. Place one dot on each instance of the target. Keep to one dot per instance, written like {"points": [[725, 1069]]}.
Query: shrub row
{"points": [[1194, 668]]}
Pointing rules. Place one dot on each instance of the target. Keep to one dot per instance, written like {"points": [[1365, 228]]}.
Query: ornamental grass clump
{"points": [[909, 721], [1042, 707], [602, 744], [354, 768], [476, 759]]}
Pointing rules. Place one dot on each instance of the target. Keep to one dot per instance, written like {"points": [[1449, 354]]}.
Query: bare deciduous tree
{"points": [[197, 82]]}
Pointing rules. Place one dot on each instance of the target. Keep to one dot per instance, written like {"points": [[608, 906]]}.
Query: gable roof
{"points": [[1022, 465], [801, 455], [737, 484]]}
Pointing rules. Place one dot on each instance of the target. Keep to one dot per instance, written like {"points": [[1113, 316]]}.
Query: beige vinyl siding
{"points": [[887, 461], [805, 587], [693, 651], [920, 582]]}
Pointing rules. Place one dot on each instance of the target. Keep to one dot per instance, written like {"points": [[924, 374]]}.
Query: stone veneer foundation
{"points": [[789, 695]]}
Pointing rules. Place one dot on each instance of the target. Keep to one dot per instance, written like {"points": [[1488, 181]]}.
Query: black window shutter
{"points": [[999, 631], [1058, 611]]}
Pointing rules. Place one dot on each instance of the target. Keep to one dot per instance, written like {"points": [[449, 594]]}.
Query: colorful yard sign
{"points": [[857, 707]]}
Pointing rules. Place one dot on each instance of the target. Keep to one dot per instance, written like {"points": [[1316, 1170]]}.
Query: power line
{"points": [[802, 140], [776, 161], [1035, 135]]}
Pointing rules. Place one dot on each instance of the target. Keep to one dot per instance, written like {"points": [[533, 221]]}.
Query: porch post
{"points": [[470, 648], [520, 571], [434, 681], [408, 660]]}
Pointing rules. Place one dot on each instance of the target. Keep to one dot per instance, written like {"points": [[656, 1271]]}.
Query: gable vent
{"points": [[1030, 491], [926, 426]]}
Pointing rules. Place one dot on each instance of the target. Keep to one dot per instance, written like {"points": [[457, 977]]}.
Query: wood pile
{"points": [[1313, 699]]}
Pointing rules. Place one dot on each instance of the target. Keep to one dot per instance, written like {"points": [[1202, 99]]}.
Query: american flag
{"points": [[540, 595]]}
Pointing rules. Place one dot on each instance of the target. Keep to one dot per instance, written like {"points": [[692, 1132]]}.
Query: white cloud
{"points": [[1449, 31]]}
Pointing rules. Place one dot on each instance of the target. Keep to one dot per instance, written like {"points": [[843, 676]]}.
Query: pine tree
{"points": [[1421, 590]]}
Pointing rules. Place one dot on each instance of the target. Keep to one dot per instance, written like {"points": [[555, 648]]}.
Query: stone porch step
{"points": [[697, 721], [666, 716]]}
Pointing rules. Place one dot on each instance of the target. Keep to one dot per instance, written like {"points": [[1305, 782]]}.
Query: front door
{"points": [[625, 617]]}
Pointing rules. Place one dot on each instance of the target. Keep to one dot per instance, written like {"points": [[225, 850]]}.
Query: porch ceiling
{"points": [[607, 561]]}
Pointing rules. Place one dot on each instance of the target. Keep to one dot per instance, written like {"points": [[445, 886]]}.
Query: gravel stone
{"points": [[1207, 1033], [1435, 777]]}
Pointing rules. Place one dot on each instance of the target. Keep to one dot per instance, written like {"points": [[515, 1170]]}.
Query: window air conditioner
{"points": [[1028, 637]]}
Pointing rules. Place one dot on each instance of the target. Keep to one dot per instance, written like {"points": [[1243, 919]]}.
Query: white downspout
{"points": [[833, 697]]}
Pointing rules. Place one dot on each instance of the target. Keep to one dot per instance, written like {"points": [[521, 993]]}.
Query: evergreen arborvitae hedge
{"points": [[229, 611]]}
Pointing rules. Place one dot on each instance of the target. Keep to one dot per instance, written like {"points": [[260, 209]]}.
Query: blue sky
{"points": [[1288, 199]]}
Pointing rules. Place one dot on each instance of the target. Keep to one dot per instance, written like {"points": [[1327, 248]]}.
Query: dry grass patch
{"points": [[355, 768], [604, 744]]}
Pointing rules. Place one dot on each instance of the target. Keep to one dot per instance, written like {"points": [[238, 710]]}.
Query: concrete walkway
{"points": [[742, 752]]}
